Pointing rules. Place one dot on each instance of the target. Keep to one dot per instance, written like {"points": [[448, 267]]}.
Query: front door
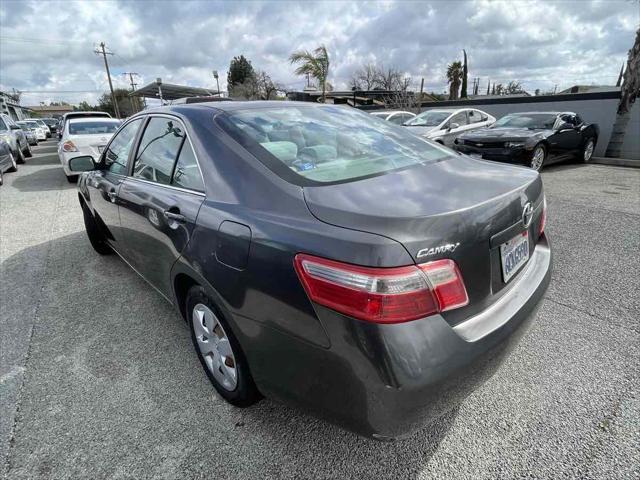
{"points": [[104, 184], [565, 141], [460, 119], [159, 202]]}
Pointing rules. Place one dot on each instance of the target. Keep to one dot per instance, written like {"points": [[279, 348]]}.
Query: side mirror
{"points": [[82, 164], [564, 126], [453, 126], [14, 127]]}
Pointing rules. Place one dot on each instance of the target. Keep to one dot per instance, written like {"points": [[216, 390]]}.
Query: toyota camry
{"points": [[323, 257]]}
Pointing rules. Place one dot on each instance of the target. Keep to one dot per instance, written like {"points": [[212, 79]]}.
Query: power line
{"points": [[104, 53]]}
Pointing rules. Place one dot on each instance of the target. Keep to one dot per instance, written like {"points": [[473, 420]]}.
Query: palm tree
{"points": [[454, 77], [314, 63]]}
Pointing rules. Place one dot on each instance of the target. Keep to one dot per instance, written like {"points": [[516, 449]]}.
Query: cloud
{"points": [[49, 47]]}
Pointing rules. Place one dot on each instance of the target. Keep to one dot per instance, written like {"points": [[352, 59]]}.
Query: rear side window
{"points": [[158, 150], [187, 174]]}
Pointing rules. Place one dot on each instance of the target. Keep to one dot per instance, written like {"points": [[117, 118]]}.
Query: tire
{"points": [[98, 242], [587, 150], [538, 157], [27, 151], [1, 178], [440, 142], [14, 164], [19, 156], [219, 351], [72, 178]]}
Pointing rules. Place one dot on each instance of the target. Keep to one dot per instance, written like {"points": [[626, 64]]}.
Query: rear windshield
{"points": [[311, 145], [92, 128], [532, 121]]}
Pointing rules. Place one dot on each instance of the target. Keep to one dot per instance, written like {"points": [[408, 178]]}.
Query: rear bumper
{"points": [[386, 381]]}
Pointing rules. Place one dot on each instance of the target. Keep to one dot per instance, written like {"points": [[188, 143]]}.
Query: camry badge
{"points": [[448, 248], [527, 214]]}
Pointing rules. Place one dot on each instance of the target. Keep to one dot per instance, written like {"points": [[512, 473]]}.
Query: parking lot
{"points": [[99, 378]]}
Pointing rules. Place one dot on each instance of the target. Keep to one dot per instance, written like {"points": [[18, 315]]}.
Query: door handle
{"points": [[176, 217]]}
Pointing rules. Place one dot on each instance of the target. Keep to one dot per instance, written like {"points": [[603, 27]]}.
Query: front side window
{"points": [[397, 119], [117, 153], [430, 118], [187, 174], [312, 145], [158, 150]]}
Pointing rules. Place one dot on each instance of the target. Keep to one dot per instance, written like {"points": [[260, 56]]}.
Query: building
{"points": [[47, 111], [10, 105]]}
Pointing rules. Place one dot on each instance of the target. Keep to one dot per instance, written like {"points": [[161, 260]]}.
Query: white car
{"points": [[41, 133], [398, 117], [42, 125], [443, 125], [84, 136]]}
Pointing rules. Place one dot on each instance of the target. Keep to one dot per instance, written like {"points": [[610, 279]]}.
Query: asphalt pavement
{"points": [[98, 378]]}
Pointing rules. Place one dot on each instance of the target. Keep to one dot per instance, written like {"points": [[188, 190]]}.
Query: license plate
{"points": [[514, 254], [101, 148]]}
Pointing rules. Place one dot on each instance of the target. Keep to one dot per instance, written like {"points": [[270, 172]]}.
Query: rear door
{"points": [[566, 141], [104, 185], [160, 200], [461, 120]]}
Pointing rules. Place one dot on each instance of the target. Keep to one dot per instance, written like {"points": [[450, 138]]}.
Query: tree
{"points": [[366, 78], [240, 70], [314, 63], [125, 105], [258, 86], [84, 106], [465, 72], [454, 77]]}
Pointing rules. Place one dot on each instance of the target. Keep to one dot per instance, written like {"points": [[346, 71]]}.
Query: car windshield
{"points": [[93, 128], [531, 121], [33, 125], [431, 118], [327, 144], [50, 121]]}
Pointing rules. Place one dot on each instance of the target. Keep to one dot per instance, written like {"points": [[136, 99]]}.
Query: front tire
{"points": [[98, 242], [20, 156], [587, 150], [219, 351], [538, 157], [27, 151], [14, 165], [72, 178]]}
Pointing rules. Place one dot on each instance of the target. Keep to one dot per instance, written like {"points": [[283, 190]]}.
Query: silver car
{"points": [[443, 125], [11, 133]]}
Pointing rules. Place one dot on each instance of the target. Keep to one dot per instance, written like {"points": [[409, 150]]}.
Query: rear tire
{"points": [[27, 151], [219, 351], [98, 242], [538, 157]]}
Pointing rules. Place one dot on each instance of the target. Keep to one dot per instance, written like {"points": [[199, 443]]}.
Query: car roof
{"points": [[543, 113]]}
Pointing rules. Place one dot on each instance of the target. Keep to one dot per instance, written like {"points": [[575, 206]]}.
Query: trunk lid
{"points": [[459, 202], [90, 144]]}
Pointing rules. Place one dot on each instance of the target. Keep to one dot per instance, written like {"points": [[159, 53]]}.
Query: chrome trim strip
{"points": [[185, 190], [505, 308]]}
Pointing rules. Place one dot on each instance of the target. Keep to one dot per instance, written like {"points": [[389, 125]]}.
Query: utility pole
{"points": [[102, 51], [134, 105]]}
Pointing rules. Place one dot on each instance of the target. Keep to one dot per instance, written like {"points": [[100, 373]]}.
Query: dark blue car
{"points": [[322, 256]]}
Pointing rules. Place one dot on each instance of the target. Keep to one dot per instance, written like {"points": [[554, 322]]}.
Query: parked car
{"points": [[68, 116], [52, 123], [323, 257], [7, 160], [394, 116], [444, 125], [42, 125], [534, 139], [39, 130], [84, 136], [29, 131], [15, 137]]}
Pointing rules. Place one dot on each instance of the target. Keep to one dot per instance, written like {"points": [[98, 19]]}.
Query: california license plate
{"points": [[514, 254]]}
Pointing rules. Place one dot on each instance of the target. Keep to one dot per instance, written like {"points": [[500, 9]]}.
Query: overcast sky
{"points": [[48, 47]]}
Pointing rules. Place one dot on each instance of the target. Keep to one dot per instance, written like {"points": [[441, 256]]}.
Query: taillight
{"points": [[543, 217], [68, 146], [382, 295]]}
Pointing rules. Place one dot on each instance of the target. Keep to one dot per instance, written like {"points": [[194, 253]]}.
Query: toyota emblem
{"points": [[527, 214]]}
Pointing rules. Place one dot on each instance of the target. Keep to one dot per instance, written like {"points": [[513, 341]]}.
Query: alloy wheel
{"points": [[537, 159], [214, 346], [588, 151]]}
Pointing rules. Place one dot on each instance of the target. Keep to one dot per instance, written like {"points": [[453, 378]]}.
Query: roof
{"points": [[172, 92], [92, 119]]}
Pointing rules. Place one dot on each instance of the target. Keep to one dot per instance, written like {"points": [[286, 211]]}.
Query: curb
{"points": [[618, 162]]}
